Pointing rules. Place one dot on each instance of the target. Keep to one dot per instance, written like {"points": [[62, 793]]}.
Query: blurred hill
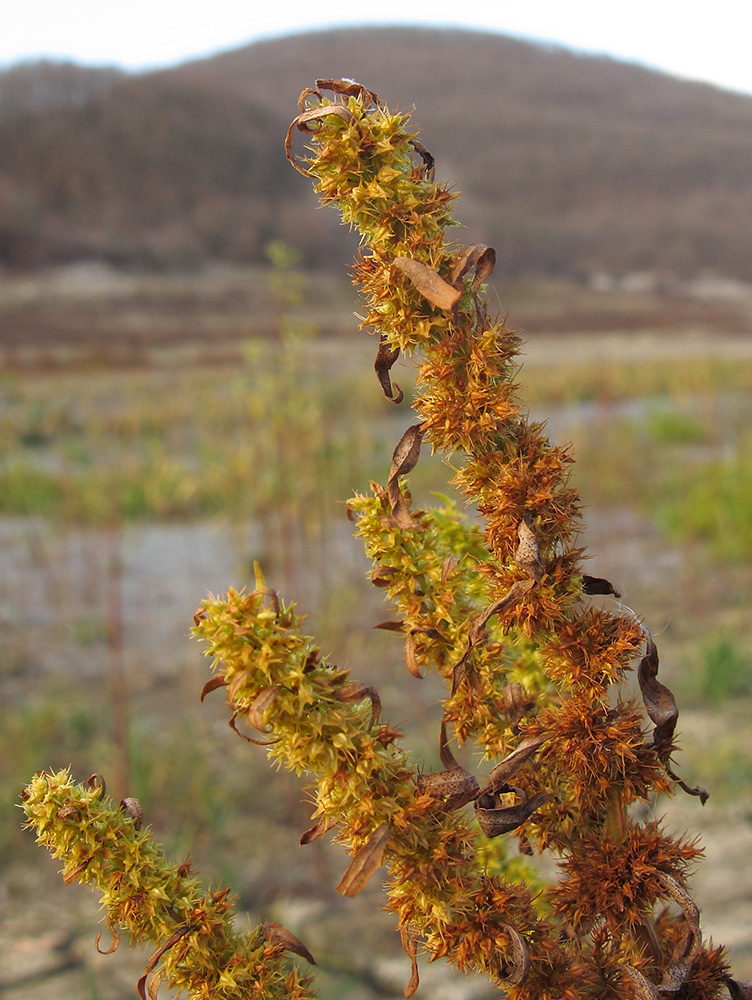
{"points": [[568, 164]]}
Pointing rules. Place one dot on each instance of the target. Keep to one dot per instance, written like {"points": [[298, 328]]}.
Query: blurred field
{"points": [[159, 434]]}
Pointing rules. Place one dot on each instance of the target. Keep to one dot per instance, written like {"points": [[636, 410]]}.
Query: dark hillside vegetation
{"points": [[568, 164]]}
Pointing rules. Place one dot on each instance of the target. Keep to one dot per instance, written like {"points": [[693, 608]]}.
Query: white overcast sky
{"points": [[709, 41]]}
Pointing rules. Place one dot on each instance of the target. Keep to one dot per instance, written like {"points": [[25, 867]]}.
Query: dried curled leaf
{"points": [[248, 739], [593, 585], [114, 944], [432, 287], [737, 990], [404, 460], [642, 988], [304, 122], [410, 650], [690, 946], [278, 936], [154, 961], [409, 939], [68, 812], [71, 875], [520, 958], [478, 257], [410, 660], [454, 787], [260, 705], [517, 703], [478, 627], [317, 830], [350, 88], [527, 555], [365, 863], [358, 692], [660, 705], [428, 166], [502, 772], [212, 685], [133, 808], [494, 818], [97, 781], [386, 356], [659, 702]]}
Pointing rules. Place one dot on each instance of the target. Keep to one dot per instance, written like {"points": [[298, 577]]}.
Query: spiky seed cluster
{"points": [[594, 758], [154, 901]]}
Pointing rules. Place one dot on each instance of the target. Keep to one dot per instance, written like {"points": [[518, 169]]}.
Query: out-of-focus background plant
{"points": [[179, 396]]}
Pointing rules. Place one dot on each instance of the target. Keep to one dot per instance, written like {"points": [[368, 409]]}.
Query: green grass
{"points": [[714, 506]]}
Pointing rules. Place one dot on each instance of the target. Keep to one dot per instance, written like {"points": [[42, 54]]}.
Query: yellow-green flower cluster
{"points": [[316, 721], [432, 576], [155, 901], [319, 722]]}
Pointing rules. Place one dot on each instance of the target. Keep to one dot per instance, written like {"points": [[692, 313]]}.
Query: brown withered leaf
{"points": [[392, 626], [383, 576], [642, 988], [409, 939], [304, 123], [445, 751], [273, 596], [660, 705], [365, 863], [155, 957], [478, 256], [432, 287], [412, 664], [429, 162], [517, 702], [737, 990], [454, 787], [69, 811], [71, 875], [357, 692], [527, 555], [592, 585], [510, 765], [696, 790], [350, 88], [448, 566], [114, 944], [520, 958], [278, 936], [478, 626], [133, 808], [690, 946], [517, 590], [97, 781], [260, 704], [659, 702], [317, 830], [385, 359], [248, 739], [404, 460], [212, 685], [495, 818]]}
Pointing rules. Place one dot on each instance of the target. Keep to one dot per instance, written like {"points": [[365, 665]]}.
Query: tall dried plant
{"points": [[537, 657]]}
